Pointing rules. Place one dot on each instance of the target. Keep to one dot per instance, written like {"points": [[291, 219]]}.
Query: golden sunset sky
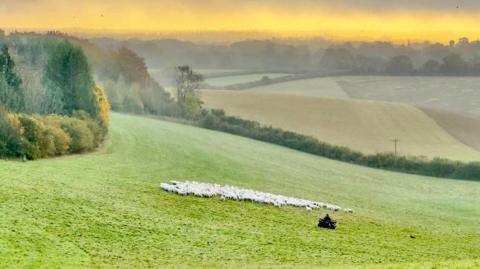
{"points": [[435, 20]]}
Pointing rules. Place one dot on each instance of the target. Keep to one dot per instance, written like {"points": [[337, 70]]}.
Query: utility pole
{"points": [[395, 141]]}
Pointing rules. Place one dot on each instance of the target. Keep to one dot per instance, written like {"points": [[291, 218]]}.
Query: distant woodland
{"points": [[460, 57]]}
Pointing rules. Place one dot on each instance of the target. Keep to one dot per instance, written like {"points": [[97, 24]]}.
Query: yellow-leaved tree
{"points": [[103, 106]]}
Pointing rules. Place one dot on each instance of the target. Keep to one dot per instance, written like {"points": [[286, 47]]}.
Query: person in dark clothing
{"points": [[327, 222]]}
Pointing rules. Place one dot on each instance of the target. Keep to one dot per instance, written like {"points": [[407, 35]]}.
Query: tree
{"points": [[192, 106], [454, 64], [53, 99], [11, 93], [188, 83], [131, 66], [68, 81], [400, 65], [338, 58], [430, 67], [103, 106]]}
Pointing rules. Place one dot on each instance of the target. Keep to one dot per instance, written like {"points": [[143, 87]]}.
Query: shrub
{"points": [[97, 127], [60, 138], [37, 142], [10, 140], [45, 136], [82, 138], [469, 171]]}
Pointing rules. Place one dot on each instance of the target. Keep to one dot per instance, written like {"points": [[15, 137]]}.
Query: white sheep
{"points": [[234, 193]]}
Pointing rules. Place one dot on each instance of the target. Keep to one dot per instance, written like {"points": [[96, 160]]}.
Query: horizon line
{"points": [[334, 36]]}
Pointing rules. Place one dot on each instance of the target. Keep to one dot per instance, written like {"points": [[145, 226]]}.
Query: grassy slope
{"points": [[317, 87], [106, 210], [363, 125], [231, 80]]}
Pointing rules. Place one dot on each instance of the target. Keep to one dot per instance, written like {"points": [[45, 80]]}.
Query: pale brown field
{"points": [[463, 127], [368, 126]]}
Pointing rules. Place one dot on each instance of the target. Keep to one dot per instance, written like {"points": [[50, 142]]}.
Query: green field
{"points": [[105, 209], [237, 79]]}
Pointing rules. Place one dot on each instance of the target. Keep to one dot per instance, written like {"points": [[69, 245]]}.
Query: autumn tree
{"points": [[103, 106]]}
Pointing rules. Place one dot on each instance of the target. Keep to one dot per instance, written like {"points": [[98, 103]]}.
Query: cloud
{"points": [[439, 19], [367, 5]]}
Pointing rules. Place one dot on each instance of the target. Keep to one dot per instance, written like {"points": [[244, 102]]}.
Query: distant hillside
{"points": [[362, 125], [316, 87], [465, 128], [457, 94]]}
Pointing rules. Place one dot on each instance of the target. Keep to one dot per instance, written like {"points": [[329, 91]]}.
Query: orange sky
{"points": [[374, 19]]}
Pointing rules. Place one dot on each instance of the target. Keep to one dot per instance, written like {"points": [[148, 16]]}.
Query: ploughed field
{"points": [[106, 209], [367, 126]]}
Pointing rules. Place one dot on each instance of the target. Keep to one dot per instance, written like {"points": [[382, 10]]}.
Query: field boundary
{"points": [[271, 81]]}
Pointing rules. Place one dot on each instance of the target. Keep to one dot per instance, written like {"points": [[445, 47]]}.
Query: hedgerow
{"points": [[218, 120], [35, 136]]}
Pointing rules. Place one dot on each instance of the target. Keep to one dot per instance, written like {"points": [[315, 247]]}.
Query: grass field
{"points": [[362, 125], [105, 209], [317, 87], [237, 79]]}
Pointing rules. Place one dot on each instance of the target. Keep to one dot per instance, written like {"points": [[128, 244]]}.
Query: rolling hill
{"points": [[457, 94], [316, 87], [105, 209], [462, 126], [367, 126], [236, 79]]}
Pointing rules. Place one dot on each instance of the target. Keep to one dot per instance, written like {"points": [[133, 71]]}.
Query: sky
{"points": [[434, 20]]}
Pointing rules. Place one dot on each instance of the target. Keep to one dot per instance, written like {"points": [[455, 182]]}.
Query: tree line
{"points": [[119, 71], [310, 56], [49, 102]]}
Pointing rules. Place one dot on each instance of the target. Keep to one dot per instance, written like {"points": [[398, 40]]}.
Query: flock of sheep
{"points": [[239, 194]]}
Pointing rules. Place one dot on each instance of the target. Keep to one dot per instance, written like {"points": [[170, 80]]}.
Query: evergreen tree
{"points": [[11, 94], [68, 81]]}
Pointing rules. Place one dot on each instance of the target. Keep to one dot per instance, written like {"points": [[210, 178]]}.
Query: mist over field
{"points": [[239, 134]]}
